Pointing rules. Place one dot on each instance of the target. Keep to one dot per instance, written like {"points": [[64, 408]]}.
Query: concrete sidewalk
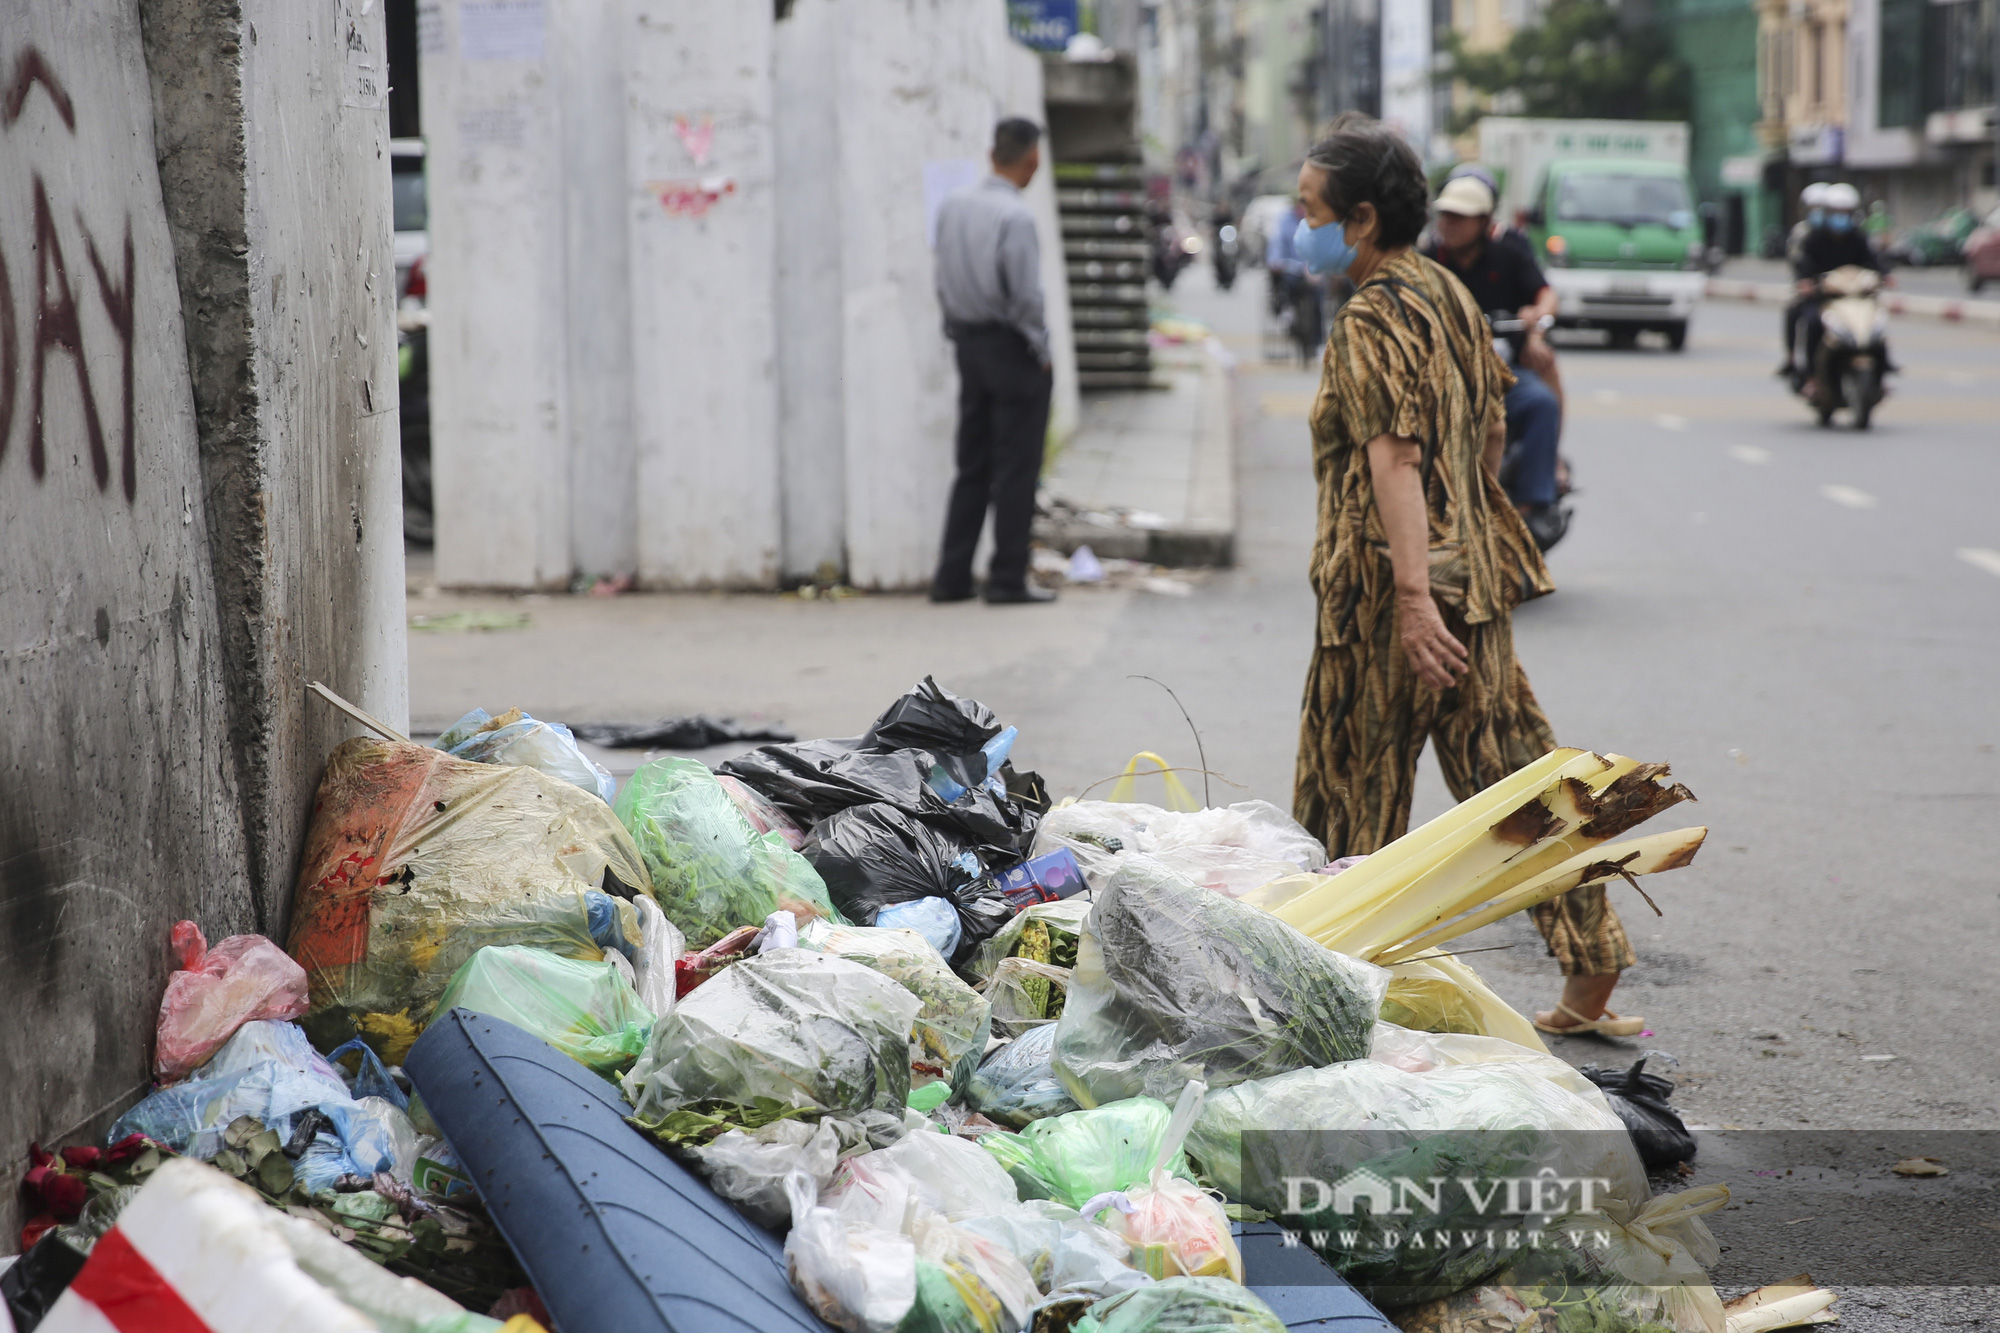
{"points": [[1934, 293], [1151, 474]]}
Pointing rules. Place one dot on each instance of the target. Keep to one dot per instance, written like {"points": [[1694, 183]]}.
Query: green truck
{"points": [[1610, 209]]}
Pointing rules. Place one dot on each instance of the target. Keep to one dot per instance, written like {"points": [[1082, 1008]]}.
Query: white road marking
{"points": [[1851, 496], [1980, 557], [1749, 453], [1670, 421]]}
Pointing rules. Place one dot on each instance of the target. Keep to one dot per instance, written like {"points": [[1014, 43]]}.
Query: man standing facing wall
{"points": [[990, 289]]}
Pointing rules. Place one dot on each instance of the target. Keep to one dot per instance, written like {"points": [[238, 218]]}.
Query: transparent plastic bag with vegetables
{"points": [[955, 1022], [1175, 983], [784, 1032], [1017, 1084], [711, 872]]}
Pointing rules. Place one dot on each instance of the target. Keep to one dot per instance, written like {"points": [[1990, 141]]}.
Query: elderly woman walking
{"points": [[1419, 558]]}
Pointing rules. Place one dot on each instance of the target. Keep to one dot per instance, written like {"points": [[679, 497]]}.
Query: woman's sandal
{"points": [[1611, 1025]]}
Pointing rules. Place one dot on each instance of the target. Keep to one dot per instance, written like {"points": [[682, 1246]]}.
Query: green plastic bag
{"points": [[711, 871], [586, 1010], [1182, 1305], [1074, 1158]]}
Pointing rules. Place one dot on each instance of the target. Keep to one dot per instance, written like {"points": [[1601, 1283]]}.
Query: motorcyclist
{"points": [[1505, 279], [1291, 286], [1836, 242]]}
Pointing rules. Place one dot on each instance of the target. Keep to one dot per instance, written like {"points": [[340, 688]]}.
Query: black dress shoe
{"points": [[942, 595], [1028, 594]]}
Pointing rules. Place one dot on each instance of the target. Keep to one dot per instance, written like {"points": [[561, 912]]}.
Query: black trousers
{"points": [[1003, 423]]}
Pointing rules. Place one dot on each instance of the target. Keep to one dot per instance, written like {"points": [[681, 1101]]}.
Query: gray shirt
{"points": [[989, 261]]}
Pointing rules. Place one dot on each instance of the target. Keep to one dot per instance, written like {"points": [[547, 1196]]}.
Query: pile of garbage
{"points": [[864, 1033]]}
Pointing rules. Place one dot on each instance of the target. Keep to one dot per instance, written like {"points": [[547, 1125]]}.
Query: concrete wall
{"points": [[603, 474], [921, 82], [118, 808], [501, 454], [198, 491], [811, 426], [702, 167]]}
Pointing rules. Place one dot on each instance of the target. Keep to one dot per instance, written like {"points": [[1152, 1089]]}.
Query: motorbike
{"points": [[1548, 524], [1228, 253], [1845, 370]]}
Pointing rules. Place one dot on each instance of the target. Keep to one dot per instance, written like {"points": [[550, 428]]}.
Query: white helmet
{"points": [[1814, 195], [1842, 197]]}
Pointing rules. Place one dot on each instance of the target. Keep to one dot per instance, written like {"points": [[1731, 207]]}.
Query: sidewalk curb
{"points": [[1931, 307], [1207, 538]]}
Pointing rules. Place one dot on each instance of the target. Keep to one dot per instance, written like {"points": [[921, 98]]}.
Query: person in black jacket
{"points": [[1836, 243]]}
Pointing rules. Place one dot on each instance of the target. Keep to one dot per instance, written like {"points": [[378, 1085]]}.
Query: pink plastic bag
{"points": [[763, 816], [216, 991]]}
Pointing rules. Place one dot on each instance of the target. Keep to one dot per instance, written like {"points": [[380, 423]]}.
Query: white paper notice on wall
{"points": [[430, 28], [940, 179], [499, 125], [502, 30]]}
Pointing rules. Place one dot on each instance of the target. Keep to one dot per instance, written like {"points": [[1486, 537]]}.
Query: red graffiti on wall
{"points": [[58, 321]]}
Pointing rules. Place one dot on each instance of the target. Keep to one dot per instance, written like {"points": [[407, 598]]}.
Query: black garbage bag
{"points": [[675, 733], [875, 856], [38, 1277], [1640, 1099], [921, 756], [930, 717]]}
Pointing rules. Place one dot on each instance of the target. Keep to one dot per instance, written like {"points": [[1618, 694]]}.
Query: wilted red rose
{"points": [[38, 1157], [34, 1229], [126, 1149], [65, 1195], [82, 1157]]}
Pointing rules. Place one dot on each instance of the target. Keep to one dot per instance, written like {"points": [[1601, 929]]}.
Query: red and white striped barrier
{"points": [[1896, 303], [195, 1252]]}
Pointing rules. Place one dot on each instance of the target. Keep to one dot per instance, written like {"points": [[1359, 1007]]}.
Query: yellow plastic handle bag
{"points": [[1178, 796]]}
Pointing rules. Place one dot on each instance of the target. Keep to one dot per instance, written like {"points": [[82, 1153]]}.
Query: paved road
{"points": [[1805, 623]]}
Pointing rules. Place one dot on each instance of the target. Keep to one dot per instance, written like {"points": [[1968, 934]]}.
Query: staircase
{"points": [[1103, 210]]}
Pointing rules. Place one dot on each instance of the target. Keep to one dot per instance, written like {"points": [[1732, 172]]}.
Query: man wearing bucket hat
{"points": [[1504, 279]]}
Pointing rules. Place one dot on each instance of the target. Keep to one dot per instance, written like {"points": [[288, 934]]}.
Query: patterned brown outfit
{"points": [[1410, 355]]}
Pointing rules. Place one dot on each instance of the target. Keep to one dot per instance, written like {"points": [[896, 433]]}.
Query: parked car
{"points": [[411, 210], [1981, 253], [1935, 243]]}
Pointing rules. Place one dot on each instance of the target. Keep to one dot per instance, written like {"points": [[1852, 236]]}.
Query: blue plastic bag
{"points": [[936, 919], [547, 747], [267, 1070], [372, 1079]]}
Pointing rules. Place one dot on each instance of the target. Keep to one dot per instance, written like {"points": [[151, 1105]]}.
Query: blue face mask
{"points": [[1816, 216], [1841, 221], [1322, 249]]}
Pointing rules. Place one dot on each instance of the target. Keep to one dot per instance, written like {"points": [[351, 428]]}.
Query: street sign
{"points": [[1046, 25]]}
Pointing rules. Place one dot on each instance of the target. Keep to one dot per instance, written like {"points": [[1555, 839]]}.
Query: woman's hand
{"points": [[1437, 658], [1393, 463]]}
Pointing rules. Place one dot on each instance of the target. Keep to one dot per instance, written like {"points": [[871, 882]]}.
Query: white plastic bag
{"points": [[941, 1173], [1229, 870], [661, 945], [1060, 1247], [858, 1278], [1254, 826], [750, 1167]]}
